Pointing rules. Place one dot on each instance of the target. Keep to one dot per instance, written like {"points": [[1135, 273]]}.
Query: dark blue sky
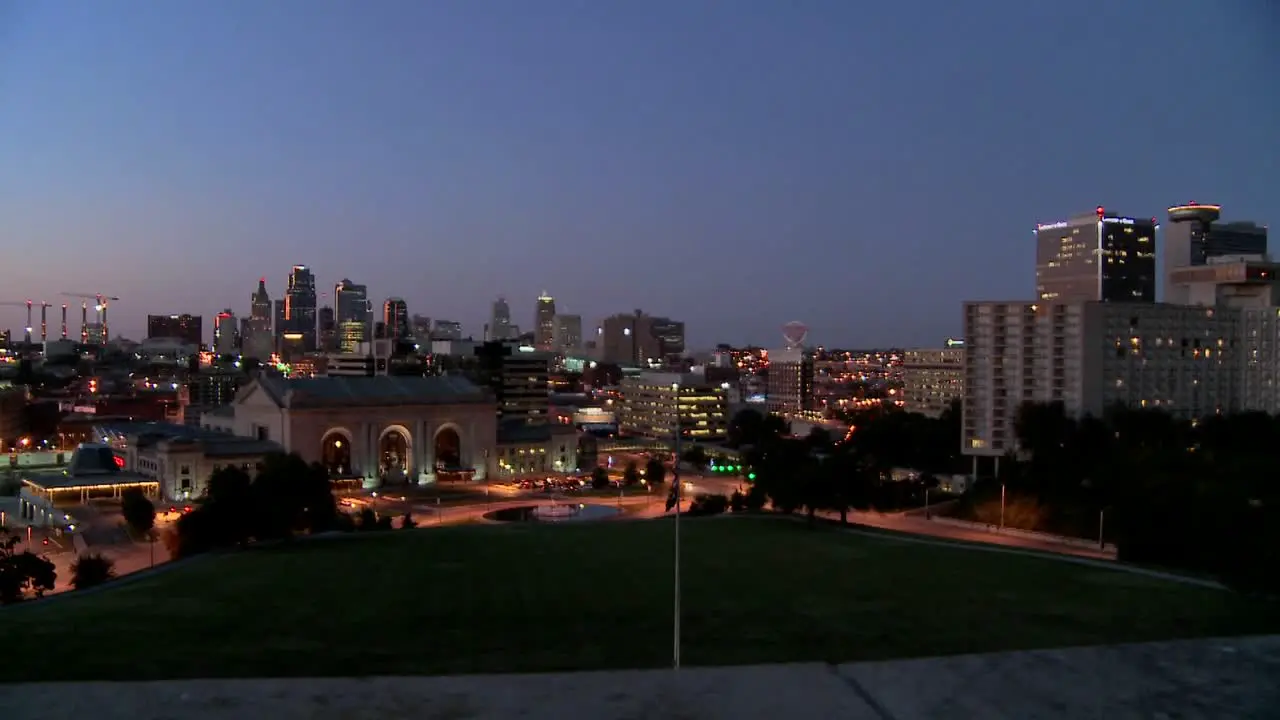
{"points": [[862, 167]]}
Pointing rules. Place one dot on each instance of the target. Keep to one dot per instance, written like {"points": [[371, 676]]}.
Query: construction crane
{"points": [[100, 306], [44, 321], [26, 304]]}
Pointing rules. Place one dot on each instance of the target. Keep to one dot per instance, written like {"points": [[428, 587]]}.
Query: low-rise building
{"points": [[384, 429], [181, 458], [95, 470], [654, 405], [932, 379], [536, 449]]}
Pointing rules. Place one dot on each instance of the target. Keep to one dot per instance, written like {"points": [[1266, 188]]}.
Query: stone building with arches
{"points": [[384, 430]]}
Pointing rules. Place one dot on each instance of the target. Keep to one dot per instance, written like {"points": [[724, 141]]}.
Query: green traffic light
{"points": [[751, 476]]}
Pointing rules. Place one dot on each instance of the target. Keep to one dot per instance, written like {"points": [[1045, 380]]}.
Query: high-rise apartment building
{"points": [[1194, 238], [259, 342], [567, 336], [1100, 256], [544, 323], [657, 405], [185, 327], [789, 389], [500, 327], [395, 318], [300, 306], [225, 329], [932, 379], [1187, 360], [351, 313]]}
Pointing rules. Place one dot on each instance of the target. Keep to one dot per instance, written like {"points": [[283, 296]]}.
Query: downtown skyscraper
{"points": [[352, 315], [300, 307], [259, 341]]}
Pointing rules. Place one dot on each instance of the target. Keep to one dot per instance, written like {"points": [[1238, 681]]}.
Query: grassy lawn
{"points": [[524, 598]]}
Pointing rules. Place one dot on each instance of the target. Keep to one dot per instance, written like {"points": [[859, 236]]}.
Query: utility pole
{"points": [[1001, 507], [675, 479]]}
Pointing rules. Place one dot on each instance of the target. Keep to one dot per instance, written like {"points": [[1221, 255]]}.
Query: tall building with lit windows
{"points": [[300, 317], [351, 313], [1187, 360], [1098, 256], [544, 323], [657, 405], [395, 318]]}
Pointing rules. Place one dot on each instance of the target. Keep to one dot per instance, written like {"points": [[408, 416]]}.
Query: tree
{"points": [[91, 569], [631, 475], [695, 456], [599, 478], [819, 439], [138, 511], [21, 572], [655, 472], [746, 428]]}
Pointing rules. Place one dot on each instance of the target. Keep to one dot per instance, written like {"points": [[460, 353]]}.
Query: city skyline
{"points": [[686, 161]]}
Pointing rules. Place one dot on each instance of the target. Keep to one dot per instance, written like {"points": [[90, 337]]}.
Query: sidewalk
{"points": [[1225, 678]]}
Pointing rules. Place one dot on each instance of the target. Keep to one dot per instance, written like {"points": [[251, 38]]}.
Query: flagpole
{"points": [[675, 479]]}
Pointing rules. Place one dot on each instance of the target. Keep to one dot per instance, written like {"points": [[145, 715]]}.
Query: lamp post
{"points": [[675, 488], [1001, 507]]}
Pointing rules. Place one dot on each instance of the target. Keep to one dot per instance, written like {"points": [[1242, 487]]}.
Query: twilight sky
{"points": [[859, 166]]}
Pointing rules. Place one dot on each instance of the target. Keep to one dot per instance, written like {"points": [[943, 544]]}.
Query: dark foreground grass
{"points": [[525, 598]]}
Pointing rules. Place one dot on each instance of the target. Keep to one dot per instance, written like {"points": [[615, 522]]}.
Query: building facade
{"points": [[533, 450], [225, 329], [185, 327], [657, 405], [932, 379], [789, 389], [1099, 256], [567, 337], [1194, 238], [395, 318], [500, 327], [300, 308], [351, 313], [544, 323], [519, 379], [383, 429], [1186, 360]]}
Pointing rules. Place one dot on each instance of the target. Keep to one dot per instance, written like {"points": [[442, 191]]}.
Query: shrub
{"points": [[91, 569]]}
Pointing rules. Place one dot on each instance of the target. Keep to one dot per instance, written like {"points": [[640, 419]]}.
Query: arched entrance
{"points": [[448, 451], [395, 455], [335, 453]]}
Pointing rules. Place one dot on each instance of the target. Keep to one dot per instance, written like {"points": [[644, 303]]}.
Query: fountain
{"points": [[554, 512]]}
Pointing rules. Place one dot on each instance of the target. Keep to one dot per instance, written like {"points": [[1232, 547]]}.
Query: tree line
{"points": [[823, 473], [1200, 495], [1193, 495]]}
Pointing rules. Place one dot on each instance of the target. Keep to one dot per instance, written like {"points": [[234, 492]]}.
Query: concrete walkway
{"points": [[1227, 678]]}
